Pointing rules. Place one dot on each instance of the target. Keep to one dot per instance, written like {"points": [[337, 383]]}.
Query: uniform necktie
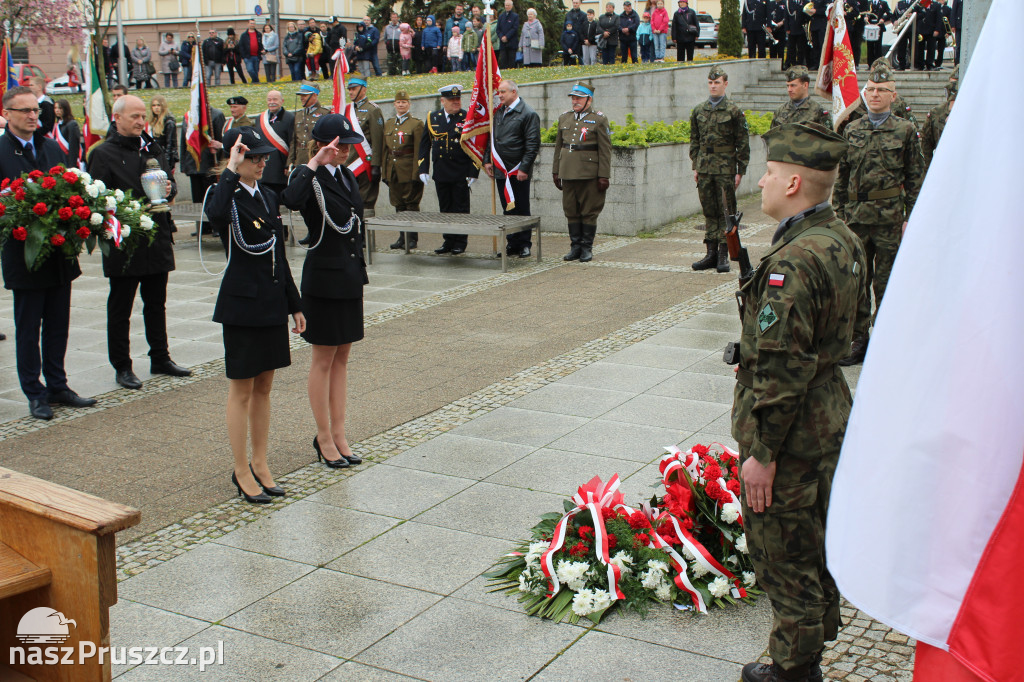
{"points": [[29, 152]]}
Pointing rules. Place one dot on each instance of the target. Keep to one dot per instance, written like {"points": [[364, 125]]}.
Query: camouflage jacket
{"points": [[932, 131], [899, 107], [881, 160], [810, 111], [583, 146], [800, 309], [371, 120], [719, 139]]}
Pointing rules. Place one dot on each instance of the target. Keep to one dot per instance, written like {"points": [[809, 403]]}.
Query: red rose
{"points": [[70, 178], [57, 239], [65, 213], [5, 184], [83, 232], [641, 539], [74, 201], [83, 212], [586, 532], [577, 550], [17, 182], [36, 174], [19, 194], [49, 183], [733, 486], [40, 209], [637, 520], [56, 170], [19, 233]]}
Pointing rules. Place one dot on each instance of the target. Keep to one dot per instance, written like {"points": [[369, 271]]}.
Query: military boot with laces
{"points": [[710, 260]]}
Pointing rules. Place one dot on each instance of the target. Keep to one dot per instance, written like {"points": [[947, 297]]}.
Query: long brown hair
{"points": [[65, 111], [156, 123]]}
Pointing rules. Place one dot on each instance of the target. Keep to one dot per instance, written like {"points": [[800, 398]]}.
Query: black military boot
{"points": [[708, 261], [587, 253], [770, 672], [858, 349], [575, 236], [723, 257]]}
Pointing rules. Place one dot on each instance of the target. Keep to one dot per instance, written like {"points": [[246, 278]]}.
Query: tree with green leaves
{"points": [[730, 35]]}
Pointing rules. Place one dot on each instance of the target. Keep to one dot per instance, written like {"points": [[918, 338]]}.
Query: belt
{"points": [[402, 152], [879, 194], [745, 378], [591, 147], [720, 149]]}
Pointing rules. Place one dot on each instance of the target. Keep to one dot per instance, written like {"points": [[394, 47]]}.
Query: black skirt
{"points": [[332, 321], [250, 351]]}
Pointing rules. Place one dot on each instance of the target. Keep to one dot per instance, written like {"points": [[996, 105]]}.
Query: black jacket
{"points": [[56, 270], [213, 50], [73, 134], [277, 163], [630, 21], [682, 20], [168, 140], [335, 268], [819, 22], [516, 137], [440, 143], [755, 15], [257, 290], [207, 160], [796, 20], [578, 19], [610, 23], [119, 162], [508, 27], [589, 33], [881, 12], [245, 46]]}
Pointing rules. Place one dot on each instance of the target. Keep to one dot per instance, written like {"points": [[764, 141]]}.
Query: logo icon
{"points": [[43, 625]]}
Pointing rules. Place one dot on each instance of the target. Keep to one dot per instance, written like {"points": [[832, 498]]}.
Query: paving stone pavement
{"points": [[524, 385]]}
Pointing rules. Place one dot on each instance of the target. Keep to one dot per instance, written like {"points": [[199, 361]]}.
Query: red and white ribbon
{"points": [[114, 225], [510, 197]]}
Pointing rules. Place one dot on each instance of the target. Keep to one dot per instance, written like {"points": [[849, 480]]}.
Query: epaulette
{"points": [[566, 112]]}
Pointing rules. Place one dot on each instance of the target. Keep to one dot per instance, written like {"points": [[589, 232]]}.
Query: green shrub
{"points": [[633, 134], [730, 35]]}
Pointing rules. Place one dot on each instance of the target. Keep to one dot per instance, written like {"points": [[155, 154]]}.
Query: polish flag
{"points": [[926, 521], [837, 73], [776, 280]]}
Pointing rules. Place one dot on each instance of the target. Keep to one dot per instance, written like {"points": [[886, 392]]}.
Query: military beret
{"points": [[881, 73], [237, 99], [355, 79], [402, 95], [583, 88], [453, 91], [309, 88], [810, 145], [251, 138], [717, 72], [798, 73], [330, 126]]}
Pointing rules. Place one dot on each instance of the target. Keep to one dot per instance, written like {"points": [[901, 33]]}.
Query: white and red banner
{"points": [[340, 69], [476, 128], [837, 73], [362, 163], [198, 125], [96, 120], [926, 521]]}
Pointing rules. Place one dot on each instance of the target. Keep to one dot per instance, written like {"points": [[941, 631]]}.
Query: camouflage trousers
{"points": [[881, 242], [581, 201], [787, 547], [368, 190], [709, 189]]}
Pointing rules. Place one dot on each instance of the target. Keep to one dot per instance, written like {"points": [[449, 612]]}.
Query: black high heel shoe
{"points": [[275, 491], [262, 498], [353, 459], [333, 463]]}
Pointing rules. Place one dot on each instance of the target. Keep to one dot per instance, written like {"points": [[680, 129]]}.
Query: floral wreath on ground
{"points": [[67, 210], [686, 547]]}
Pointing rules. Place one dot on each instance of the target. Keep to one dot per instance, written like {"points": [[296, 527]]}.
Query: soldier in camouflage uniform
{"points": [[371, 120], [878, 185], [581, 168], [403, 135], [791, 401], [720, 152], [935, 123], [899, 107], [801, 107]]}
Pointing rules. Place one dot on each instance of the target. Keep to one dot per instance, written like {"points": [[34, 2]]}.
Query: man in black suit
{"points": [[454, 171], [42, 297], [119, 161], [796, 34], [816, 27], [755, 19], [507, 33], [276, 124]]}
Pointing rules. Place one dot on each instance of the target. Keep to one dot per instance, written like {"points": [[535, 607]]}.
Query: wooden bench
{"points": [[496, 226], [57, 551]]}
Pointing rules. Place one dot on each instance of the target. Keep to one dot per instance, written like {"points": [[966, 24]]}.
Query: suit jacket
{"points": [[283, 125], [796, 20], [335, 268], [56, 270], [441, 143], [257, 290], [508, 27], [516, 137], [819, 22]]}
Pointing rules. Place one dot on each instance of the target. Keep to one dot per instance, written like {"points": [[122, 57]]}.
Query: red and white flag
{"points": [[837, 73], [926, 521], [197, 123], [476, 128], [340, 69]]}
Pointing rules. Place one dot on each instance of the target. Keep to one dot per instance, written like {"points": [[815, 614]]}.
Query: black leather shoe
{"points": [[333, 463], [412, 244], [169, 368], [305, 240], [40, 409], [769, 672], [456, 250], [525, 253], [353, 459], [444, 249], [3, 337], [274, 491], [127, 379], [399, 244], [262, 498], [71, 399]]}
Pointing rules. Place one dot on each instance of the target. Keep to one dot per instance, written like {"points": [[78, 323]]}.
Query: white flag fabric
{"points": [[926, 523]]}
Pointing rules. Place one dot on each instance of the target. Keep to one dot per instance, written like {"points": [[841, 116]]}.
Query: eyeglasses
{"points": [[259, 158], [34, 110], [871, 90]]}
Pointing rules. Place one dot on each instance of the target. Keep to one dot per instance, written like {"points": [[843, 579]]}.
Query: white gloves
{"points": [[424, 178], [470, 181]]}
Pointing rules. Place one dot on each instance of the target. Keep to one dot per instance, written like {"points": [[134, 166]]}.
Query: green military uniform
{"points": [[935, 123], [878, 183], [719, 151], [581, 167], [400, 170], [371, 121], [305, 119], [791, 405], [807, 111]]}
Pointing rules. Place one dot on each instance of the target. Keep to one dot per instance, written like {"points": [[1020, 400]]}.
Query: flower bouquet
{"points": [[66, 210], [686, 547]]}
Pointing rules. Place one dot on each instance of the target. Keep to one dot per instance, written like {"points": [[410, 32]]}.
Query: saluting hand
{"points": [[325, 156], [238, 151]]}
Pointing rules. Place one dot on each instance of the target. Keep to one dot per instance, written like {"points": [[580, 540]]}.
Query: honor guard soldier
{"points": [[936, 122], [878, 184], [720, 152], [454, 171], [276, 125], [239, 119], [791, 403], [777, 25], [900, 107], [305, 119], [801, 107], [877, 14], [582, 166], [371, 121], [797, 46], [754, 22], [403, 135]]}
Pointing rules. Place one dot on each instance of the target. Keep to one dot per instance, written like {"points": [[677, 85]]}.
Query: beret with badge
{"points": [[237, 99], [810, 145]]}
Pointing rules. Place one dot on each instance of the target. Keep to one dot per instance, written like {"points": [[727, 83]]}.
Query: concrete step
{"points": [[919, 107], [907, 90], [901, 76]]}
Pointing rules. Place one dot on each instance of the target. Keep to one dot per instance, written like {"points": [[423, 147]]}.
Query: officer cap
{"points": [[881, 73], [309, 88], [237, 99], [810, 145], [583, 88], [717, 72], [356, 79], [251, 138], [453, 91], [798, 72], [402, 95], [330, 126]]}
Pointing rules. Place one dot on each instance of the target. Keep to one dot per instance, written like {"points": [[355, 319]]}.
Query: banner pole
{"points": [[490, 119]]}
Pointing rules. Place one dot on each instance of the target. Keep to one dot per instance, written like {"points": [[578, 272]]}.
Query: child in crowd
{"points": [[570, 46], [455, 49], [405, 47], [471, 44], [432, 38], [645, 39], [659, 27]]}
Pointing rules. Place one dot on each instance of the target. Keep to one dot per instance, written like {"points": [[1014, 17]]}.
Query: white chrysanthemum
{"points": [[749, 578], [111, 203], [663, 591], [524, 583], [126, 230], [697, 569], [624, 561], [572, 573], [741, 544], [602, 599], [719, 587], [730, 512], [732, 559], [536, 550], [657, 565], [652, 579], [96, 219], [145, 222], [583, 603], [92, 190], [687, 554], [119, 195]]}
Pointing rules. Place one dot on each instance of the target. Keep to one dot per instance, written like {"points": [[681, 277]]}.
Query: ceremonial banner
{"points": [[340, 69], [926, 520], [96, 120], [197, 124], [477, 126], [837, 73], [7, 78]]}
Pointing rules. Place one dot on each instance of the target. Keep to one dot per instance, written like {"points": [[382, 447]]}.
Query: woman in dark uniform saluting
{"points": [[327, 195], [256, 296]]}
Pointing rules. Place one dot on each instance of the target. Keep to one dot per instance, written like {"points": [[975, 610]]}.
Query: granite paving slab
{"points": [[463, 456], [670, 413], [133, 624], [392, 491], [659, 356], [617, 377], [358, 672], [527, 427], [693, 386], [638, 442], [561, 472], [474, 509], [580, 401]]}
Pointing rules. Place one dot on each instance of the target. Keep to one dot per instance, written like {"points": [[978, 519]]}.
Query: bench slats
{"points": [[18, 574], [76, 509]]}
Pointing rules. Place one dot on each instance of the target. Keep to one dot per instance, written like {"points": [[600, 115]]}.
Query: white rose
{"points": [[719, 587], [749, 578], [741, 544], [663, 592], [119, 195], [730, 512], [96, 219]]}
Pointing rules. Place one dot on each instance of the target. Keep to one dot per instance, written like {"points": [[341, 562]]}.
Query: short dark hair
{"points": [[118, 87], [16, 92]]}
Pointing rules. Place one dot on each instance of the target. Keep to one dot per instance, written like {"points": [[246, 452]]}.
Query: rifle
{"points": [[737, 251]]}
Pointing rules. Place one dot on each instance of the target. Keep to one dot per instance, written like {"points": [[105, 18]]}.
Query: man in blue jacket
{"points": [[629, 22], [508, 37], [459, 19], [373, 38]]}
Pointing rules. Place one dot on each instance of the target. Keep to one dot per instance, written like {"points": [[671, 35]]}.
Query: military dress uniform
{"points": [[754, 21], [855, 26], [242, 121], [791, 404], [902, 51], [402, 138], [797, 47], [582, 166], [934, 124], [808, 110], [371, 121], [777, 24], [305, 119], [719, 151], [877, 13], [453, 167]]}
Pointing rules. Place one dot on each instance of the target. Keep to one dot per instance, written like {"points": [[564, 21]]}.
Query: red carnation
{"points": [[19, 194], [49, 183], [678, 500], [69, 177], [57, 239], [669, 537], [733, 486], [74, 201], [64, 213], [83, 212], [36, 174], [40, 209], [712, 472], [5, 183], [637, 520], [17, 182], [56, 170], [577, 550], [19, 233], [734, 471], [606, 512], [700, 450], [83, 232], [612, 541], [641, 539], [715, 492], [586, 532], [3, 209]]}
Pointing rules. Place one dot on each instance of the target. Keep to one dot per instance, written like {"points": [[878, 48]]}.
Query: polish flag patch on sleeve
{"points": [[776, 280]]}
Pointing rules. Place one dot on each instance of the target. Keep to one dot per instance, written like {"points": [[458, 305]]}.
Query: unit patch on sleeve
{"points": [[766, 318]]}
